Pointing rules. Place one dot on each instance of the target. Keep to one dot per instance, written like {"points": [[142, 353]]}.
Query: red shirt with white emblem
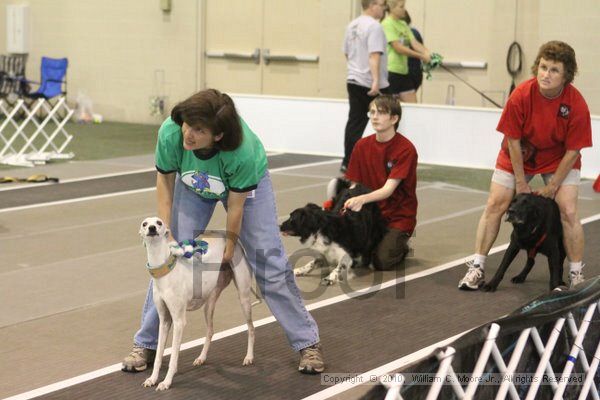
{"points": [[547, 127], [372, 163]]}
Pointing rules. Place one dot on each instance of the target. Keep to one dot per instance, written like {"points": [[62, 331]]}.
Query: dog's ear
{"points": [[167, 232]]}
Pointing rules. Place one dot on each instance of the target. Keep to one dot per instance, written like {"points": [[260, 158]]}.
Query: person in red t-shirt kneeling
{"points": [[386, 163], [545, 123]]}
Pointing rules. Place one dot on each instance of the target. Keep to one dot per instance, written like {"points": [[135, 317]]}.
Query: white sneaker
{"points": [[576, 277], [473, 279]]}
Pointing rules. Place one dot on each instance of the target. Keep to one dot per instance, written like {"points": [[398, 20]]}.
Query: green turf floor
{"points": [[97, 141], [111, 139], [472, 178]]}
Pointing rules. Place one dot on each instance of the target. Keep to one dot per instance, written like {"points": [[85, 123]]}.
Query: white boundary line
{"points": [[76, 200], [320, 304], [127, 192]]}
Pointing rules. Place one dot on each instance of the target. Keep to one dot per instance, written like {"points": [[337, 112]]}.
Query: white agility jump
{"points": [[26, 140], [490, 357]]}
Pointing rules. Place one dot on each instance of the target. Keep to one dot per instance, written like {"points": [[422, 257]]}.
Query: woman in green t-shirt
{"points": [[206, 154]]}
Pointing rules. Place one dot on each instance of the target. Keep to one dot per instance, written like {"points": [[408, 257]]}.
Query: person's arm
{"points": [[566, 164], [374, 60], [425, 54], [165, 186], [235, 213], [420, 52], [356, 203], [516, 159]]}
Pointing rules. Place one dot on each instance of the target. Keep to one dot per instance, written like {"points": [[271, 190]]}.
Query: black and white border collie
{"points": [[341, 236]]}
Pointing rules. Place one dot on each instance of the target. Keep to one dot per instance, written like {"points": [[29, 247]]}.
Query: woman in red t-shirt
{"points": [[545, 123]]}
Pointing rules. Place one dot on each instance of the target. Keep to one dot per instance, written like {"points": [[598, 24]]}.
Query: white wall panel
{"points": [[456, 136]]}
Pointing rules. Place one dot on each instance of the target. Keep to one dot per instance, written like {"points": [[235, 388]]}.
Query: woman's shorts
{"points": [[507, 179], [400, 83]]}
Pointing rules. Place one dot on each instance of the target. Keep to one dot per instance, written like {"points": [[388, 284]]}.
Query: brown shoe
{"points": [[138, 360], [311, 360]]}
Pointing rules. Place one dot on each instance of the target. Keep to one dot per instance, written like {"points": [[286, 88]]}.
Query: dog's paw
{"points": [[149, 382], [164, 385], [336, 276], [327, 281], [488, 288], [199, 361], [518, 279], [248, 361]]}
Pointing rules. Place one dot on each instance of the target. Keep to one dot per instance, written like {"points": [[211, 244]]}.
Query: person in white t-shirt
{"points": [[365, 49]]}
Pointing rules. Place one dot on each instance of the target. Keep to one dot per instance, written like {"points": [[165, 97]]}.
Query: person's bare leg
{"points": [[408, 97], [489, 224], [574, 240], [573, 236]]}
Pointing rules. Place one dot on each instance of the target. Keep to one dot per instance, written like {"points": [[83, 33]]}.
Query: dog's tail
{"points": [[332, 188], [335, 186]]}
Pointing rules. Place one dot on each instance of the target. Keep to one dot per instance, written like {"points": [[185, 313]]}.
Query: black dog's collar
{"points": [[533, 251]]}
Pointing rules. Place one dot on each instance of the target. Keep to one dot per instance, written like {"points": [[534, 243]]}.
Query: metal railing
{"points": [[267, 57], [254, 56]]}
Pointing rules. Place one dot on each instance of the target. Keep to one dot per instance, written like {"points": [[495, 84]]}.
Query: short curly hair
{"points": [[557, 51]]}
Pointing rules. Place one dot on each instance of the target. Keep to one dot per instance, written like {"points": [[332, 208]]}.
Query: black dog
{"points": [[368, 223], [537, 229], [341, 236]]}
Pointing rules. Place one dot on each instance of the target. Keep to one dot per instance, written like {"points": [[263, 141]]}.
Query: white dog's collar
{"points": [[162, 270]]}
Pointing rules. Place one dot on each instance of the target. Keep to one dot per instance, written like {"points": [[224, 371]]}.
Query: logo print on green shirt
{"points": [[203, 183], [200, 181]]}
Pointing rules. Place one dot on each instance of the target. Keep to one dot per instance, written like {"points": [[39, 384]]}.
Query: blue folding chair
{"points": [[53, 76]]}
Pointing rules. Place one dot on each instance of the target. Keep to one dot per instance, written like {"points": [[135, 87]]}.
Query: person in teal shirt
{"points": [[401, 45], [205, 154]]}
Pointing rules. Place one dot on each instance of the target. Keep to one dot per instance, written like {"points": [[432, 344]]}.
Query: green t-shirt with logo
{"points": [[396, 30], [213, 175]]}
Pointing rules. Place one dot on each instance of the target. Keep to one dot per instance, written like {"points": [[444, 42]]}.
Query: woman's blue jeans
{"points": [[260, 237]]}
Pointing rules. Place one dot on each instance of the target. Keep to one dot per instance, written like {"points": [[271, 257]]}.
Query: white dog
{"points": [[174, 287]]}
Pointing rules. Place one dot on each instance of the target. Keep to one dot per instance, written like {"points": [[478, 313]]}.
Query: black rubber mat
{"points": [[94, 187], [357, 335]]}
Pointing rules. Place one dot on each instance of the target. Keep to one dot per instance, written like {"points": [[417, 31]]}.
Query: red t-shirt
{"points": [[372, 163], [547, 128]]}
